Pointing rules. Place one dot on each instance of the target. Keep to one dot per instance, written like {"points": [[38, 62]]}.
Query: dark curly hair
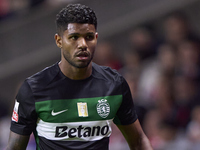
{"points": [[74, 13]]}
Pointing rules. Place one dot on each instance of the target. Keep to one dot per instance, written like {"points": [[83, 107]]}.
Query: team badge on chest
{"points": [[82, 109], [103, 108]]}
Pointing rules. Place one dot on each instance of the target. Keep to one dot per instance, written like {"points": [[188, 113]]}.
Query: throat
{"points": [[76, 73]]}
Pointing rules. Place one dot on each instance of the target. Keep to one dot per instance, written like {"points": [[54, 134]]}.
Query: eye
{"points": [[89, 37], [75, 37]]}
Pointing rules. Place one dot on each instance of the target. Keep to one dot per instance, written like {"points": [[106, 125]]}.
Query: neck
{"points": [[75, 73]]}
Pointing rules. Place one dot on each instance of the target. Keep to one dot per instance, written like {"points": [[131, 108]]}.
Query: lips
{"points": [[82, 55]]}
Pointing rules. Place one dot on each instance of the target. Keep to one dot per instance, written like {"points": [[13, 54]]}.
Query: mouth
{"points": [[82, 55]]}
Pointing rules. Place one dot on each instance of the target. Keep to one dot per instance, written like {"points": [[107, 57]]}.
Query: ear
{"points": [[58, 40], [96, 34]]}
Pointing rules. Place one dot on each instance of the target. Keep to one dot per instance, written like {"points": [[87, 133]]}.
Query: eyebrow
{"points": [[88, 33], [74, 34]]}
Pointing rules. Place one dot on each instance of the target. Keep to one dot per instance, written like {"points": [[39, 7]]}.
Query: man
{"points": [[71, 104]]}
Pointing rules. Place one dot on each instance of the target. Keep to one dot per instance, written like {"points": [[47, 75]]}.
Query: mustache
{"points": [[82, 53]]}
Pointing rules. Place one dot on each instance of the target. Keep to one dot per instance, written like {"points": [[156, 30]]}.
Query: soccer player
{"points": [[71, 104]]}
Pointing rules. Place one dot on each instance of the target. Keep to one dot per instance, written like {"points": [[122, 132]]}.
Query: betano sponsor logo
{"points": [[75, 131], [80, 131]]}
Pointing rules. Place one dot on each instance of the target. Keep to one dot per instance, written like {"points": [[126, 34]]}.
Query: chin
{"points": [[83, 65]]}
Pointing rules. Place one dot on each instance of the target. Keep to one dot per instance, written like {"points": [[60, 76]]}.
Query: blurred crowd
{"points": [[10, 8], [163, 72]]}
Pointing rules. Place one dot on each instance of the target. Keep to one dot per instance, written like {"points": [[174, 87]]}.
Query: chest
{"points": [[79, 109]]}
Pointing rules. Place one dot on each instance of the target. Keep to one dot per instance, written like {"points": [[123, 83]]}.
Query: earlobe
{"points": [[58, 40]]}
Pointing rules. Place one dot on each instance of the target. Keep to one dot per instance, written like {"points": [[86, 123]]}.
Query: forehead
{"points": [[79, 28]]}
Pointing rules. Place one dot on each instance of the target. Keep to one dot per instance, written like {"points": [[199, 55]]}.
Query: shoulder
{"points": [[106, 73], [43, 78]]}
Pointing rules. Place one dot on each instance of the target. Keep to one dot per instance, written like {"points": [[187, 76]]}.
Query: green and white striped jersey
{"points": [[72, 114]]}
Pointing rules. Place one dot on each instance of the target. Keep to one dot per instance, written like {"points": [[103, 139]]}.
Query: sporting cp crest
{"points": [[103, 108]]}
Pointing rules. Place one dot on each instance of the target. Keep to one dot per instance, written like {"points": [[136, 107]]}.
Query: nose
{"points": [[82, 44]]}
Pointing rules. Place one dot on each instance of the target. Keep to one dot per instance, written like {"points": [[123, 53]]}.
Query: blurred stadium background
{"points": [[153, 43]]}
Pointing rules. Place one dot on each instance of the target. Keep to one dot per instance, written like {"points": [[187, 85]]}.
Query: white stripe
{"points": [[81, 131]]}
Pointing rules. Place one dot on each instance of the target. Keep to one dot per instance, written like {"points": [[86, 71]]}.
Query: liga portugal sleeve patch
{"points": [[15, 112]]}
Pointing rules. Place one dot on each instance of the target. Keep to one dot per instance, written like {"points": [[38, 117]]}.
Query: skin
{"points": [[77, 45], [17, 141], [135, 137]]}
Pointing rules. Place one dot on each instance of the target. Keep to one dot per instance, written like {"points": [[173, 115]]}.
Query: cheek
{"points": [[92, 51], [67, 51], [92, 46], [66, 43], [68, 47]]}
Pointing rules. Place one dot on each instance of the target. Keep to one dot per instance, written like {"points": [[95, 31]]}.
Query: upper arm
{"points": [[24, 116], [23, 119], [135, 136], [17, 141], [126, 113]]}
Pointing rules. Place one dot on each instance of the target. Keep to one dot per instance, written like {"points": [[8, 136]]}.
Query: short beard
{"points": [[76, 65]]}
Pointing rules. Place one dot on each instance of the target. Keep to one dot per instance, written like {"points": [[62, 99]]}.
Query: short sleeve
{"points": [[24, 115], [126, 113]]}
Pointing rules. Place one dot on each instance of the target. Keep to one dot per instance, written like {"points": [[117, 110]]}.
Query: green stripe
{"points": [[44, 109]]}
